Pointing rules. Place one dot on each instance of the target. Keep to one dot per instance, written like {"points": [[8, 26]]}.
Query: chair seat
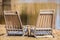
{"points": [[43, 32], [15, 32]]}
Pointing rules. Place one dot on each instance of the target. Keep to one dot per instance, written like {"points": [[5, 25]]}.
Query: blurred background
{"points": [[29, 10]]}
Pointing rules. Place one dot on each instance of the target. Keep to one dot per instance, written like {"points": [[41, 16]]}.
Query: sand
{"points": [[5, 37]]}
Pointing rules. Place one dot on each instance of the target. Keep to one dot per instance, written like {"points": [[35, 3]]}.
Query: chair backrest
{"points": [[45, 19], [12, 20]]}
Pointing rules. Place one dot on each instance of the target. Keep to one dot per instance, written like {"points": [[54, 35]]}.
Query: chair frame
{"points": [[43, 29], [13, 13]]}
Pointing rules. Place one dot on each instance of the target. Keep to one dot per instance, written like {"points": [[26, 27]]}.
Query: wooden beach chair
{"points": [[13, 24], [44, 26]]}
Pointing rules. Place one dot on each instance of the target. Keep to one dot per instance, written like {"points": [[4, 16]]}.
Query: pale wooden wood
{"points": [[45, 19], [44, 22], [13, 22], [44, 36], [43, 28], [0, 0]]}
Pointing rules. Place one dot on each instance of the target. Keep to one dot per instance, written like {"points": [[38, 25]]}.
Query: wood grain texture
{"points": [[46, 20], [12, 21]]}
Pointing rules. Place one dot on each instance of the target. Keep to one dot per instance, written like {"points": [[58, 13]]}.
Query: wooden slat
{"points": [[43, 28], [44, 36], [12, 21], [45, 20]]}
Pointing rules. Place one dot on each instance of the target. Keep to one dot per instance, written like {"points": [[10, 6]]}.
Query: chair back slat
{"points": [[45, 19], [12, 20]]}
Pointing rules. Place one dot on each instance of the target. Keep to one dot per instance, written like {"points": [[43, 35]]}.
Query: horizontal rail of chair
{"points": [[43, 28], [14, 29], [11, 14], [44, 36]]}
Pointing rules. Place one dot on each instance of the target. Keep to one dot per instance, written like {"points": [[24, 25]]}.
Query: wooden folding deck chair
{"points": [[13, 23], [44, 26]]}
